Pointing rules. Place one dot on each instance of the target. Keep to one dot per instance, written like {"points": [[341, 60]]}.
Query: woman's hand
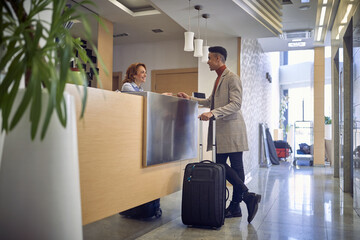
{"points": [[183, 95]]}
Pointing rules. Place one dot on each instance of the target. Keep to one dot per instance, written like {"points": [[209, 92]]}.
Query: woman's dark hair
{"points": [[132, 71]]}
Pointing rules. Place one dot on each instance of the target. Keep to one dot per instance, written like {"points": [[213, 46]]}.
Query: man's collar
{"points": [[220, 70]]}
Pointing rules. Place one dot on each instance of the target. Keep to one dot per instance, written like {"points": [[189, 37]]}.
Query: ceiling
{"points": [[227, 19]]}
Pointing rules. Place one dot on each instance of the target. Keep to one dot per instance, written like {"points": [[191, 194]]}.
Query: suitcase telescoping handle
{"points": [[201, 141], [214, 141]]}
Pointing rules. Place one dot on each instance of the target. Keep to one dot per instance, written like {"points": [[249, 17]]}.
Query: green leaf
{"points": [[10, 53], [13, 76], [10, 98], [65, 61], [49, 111], [36, 105], [61, 114], [22, 106], [38, 34], [84, 99]]}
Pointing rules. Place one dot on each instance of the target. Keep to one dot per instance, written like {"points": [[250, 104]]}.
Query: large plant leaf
{"points": [[49, 110], [11, 82], [47, 65], [36, 104], [22, 106]]}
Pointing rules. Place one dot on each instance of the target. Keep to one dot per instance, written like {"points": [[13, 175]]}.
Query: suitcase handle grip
{"points": [[206, 161]]}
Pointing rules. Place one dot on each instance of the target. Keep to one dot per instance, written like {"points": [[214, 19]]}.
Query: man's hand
{"points": [[183, 95], [206, 116]]}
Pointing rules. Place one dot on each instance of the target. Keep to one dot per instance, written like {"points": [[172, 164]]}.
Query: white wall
{"points": [[275, 89], [155, 55], [296, 75]]}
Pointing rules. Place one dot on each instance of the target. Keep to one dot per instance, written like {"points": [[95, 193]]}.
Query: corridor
{"points": [[297, 203]]}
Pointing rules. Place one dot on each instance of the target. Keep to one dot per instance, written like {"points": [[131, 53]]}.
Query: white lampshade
{"points": [[205, 56], [189, 41], [198, 48]]}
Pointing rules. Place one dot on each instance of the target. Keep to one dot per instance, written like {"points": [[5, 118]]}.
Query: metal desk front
{"points": [[170, 128]]}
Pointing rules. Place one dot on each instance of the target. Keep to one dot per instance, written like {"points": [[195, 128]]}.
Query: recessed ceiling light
{"points": [[319, 34], [305, 1], [305, 7], [132, 13], [157, 30], [121, 35], [296, 34], [284, 2], [296, 44]]}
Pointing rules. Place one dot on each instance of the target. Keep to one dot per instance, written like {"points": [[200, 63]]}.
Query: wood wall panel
{"points": [[175, 80], [112, 178], [105, 48]]}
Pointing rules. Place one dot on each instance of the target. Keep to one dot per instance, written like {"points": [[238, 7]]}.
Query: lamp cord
{"points": [[199, 24], [206, 32], [189, 18]]}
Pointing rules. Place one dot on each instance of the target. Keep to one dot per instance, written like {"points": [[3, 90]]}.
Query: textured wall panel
{"points": [[256, 96]]}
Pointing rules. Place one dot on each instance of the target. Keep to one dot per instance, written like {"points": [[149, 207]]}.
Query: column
{"points": [[319, 118]]}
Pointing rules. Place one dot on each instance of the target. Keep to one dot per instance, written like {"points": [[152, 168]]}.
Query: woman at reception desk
{"points": [[135, 77]]}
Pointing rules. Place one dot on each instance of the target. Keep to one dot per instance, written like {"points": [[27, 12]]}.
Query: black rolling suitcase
{"points": [[204, 193]]}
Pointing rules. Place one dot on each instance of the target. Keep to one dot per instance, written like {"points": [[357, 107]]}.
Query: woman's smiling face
{"points": [[140, 76]]}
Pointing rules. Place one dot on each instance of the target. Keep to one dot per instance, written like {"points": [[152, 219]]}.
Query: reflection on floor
{"points": [[297, 203]]}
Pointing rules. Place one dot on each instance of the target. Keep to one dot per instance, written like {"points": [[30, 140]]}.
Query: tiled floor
{"points": [[297, 203]]}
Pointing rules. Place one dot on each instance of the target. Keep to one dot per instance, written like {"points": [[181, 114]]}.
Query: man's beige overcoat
{"points": [[230, 125]]}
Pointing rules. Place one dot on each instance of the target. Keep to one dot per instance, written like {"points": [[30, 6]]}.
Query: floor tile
{"points": [[297, 203]]}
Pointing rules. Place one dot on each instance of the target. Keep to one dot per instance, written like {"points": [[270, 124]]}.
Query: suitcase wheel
{"points": [[158, 213]]}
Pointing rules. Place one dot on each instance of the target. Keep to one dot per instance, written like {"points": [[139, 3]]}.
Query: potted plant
{"points": [[41, 51], [39, 174], [327, 128], [283, 107]]}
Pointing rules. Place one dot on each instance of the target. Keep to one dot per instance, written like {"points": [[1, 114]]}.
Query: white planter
{"points": [[39, 181], [328, 131]]}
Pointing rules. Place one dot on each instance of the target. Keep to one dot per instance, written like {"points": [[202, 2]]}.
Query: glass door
{"points": [[356, 111], [341, 119]]}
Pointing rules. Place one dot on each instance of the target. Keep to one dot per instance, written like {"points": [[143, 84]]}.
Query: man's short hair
{"points": [[219, 50]]}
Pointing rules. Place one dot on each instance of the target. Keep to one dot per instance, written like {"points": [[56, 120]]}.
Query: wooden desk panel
{"points": [[112, 178]]}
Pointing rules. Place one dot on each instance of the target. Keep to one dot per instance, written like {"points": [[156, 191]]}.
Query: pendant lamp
{"points": [[198, 42], [204, 58], [189, 37]]}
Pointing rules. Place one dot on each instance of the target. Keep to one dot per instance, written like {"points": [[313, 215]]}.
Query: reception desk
{"points": [[110, 144], [170, 127]]}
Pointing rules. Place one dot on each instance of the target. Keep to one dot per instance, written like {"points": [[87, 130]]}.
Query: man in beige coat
{"points": [[231, 138]]}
